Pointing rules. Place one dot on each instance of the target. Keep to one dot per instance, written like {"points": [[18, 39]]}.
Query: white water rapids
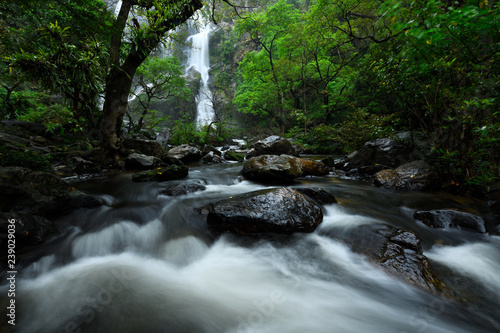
{"points": [[147, 263]]}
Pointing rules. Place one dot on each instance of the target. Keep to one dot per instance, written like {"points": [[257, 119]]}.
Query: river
{"points": [[145, 262]]}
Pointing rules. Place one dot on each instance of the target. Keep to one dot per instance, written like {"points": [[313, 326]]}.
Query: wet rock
{"points": [[450, 218], [29, 229], [278, 210], [396, 251], [211, 149], [232, 155], [272, 168], [82, 166], [281, 169], [170, 172], [186, 153], [313, 168], [39, 193], [211, 158], [417, 175], [181, 189], [146, 147], [384, 151], [319, 195], [137, 161], [273, 145]]}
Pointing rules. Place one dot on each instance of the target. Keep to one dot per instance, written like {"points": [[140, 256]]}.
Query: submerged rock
{"points": [[450, 218], [417, 175], [181, 189], [396, 251], [170, 172], [278, 210]]}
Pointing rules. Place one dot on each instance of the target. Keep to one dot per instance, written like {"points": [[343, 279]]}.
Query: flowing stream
{"points": [[199, 60], [146, 262]]}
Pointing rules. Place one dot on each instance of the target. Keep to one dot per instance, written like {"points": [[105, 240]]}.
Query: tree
{"points": [[157, 79], [158, 18], [264, 86], [58, 45]]}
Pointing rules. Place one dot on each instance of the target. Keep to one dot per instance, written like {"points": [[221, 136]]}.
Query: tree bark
{"points": [[119, 79]]}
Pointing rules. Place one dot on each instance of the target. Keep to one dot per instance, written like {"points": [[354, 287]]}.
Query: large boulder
{"points": [[137, 161], [396, 251], [272, 168], [386, 151], [186, 153], [170, 172], [450, 218], [273, 145], [277, 210], [146, 147], [416, 175], [319, 195], [313, 168], [281, 169], [39, 193]]}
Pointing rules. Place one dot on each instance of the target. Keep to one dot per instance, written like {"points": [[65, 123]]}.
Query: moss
{"points": [[25, 159]]}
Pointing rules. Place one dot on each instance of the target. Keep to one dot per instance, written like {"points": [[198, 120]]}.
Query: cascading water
{"points": [[146, 262], [198, 59]]}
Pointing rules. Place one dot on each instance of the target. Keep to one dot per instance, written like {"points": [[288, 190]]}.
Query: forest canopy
{"points": [[331, 74]]}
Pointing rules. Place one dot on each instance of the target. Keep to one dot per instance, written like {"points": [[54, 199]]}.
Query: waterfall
{"points": [[198, 59]]}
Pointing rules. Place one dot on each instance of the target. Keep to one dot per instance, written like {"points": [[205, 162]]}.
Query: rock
{"points": [[211, 158], [39, 193], [232, 155], [273, 145], [329, 161], [29, 229], [313, 168], [272, 168], [169, 160], [384, 151], [417, 175], [208, 148], [281, 169], [146, 147], [277, 210], [170, 172], [181, 189], [82, 166], [319, 195], [450, 218], [65, 204], [396, 251], [186, 153], [137, 161]]}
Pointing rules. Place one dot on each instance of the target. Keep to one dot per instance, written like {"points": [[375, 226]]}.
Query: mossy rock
{"points": [[162, 174]]}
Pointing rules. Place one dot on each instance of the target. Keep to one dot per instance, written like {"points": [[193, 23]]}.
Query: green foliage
{"points": [[360, 127], [25, 159], [184, 130], [54, 116], [319, 139], [444, 68]]}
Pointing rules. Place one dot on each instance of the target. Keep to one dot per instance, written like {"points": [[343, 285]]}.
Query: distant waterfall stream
{"points": [[198, 59]]}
